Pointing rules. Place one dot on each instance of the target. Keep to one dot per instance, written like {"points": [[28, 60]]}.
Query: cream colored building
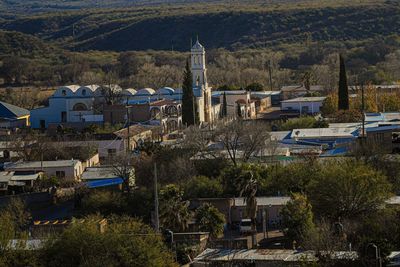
{"points": [[66, 170], [201, 90]]}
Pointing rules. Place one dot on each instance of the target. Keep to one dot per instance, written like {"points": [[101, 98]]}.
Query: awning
{"points": [[104, 182], [25, 177]]}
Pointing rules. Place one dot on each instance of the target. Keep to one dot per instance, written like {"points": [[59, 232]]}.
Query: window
{"points": [[64, 93], [111, 152], [79, 107], [63, 116], [60, 174], [84, 92]]}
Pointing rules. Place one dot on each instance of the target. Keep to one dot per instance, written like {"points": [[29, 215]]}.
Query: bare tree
{"points": [[242, 139], [123, 167], [199, 140]]}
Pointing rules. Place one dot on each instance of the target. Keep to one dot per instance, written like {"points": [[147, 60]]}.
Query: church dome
{"points": [[165, 91], [145, 91], [129, 92]]}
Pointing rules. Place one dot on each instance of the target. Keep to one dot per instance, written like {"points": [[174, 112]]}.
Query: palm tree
{"points": [[248, 186], [174, 212]]}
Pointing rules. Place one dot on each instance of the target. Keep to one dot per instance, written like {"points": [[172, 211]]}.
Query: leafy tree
{"points": [[188, 117], [202, 187], [210, 219], [224, 111], [303, 122], [125, 242], [343, 95], [347, 189], [227, 88], [254, 87], [329, 105], [174, 213], [297, 217], [104, 202]]}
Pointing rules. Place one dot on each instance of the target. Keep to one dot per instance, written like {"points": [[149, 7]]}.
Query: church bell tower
{"points": [[200, 86]]}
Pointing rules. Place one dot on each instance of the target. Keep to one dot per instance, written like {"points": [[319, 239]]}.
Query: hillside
{"points": [[16, 43], [239, 26]]}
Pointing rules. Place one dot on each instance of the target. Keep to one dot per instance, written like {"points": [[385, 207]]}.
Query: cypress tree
{"points": [[224, 106], [187, 96], [343, 103], [239, 111]]}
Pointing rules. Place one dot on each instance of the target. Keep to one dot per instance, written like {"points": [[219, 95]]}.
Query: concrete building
{"points": [[234, 209], [303, 105], [237, 99], [66, 170], [71, 105]]}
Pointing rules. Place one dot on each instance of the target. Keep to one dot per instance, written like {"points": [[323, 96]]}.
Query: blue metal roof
{"points": [[104, 182], [11, 111]]}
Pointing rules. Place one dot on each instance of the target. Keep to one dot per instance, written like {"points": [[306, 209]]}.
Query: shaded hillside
{"points": [[16, 43], [164, 28]]}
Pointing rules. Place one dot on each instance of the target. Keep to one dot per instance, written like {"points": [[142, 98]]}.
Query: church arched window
{"points": [[79, 107]]}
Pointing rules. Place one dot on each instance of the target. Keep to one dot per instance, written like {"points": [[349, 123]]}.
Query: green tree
{"points": [[224, 111], [202, 187], [348, 188], [255, 87], [210, 219], [297, 217], [189, 110], [343, 95], [124, 242], [174, 212]]}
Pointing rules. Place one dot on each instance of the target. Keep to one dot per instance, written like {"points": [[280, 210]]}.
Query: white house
{"points": [[304, 105]]}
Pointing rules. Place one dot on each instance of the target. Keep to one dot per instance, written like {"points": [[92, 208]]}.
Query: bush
{"points": [[202, 187]]}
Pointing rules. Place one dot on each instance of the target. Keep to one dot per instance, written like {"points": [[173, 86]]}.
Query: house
{"points": [[234, 208], [292, 91], [13, 117], [303, 105], [17, 182], [66, 170], [237, 100], [138, 134]]}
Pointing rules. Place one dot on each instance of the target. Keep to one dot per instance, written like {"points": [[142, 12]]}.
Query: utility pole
{"points": [[194, 112], [129, 125], [270, 74], [156, 216], [362, 110]]}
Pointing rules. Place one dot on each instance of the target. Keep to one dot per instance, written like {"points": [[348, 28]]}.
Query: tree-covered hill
{"points": [[163, 27], [20, 44]]}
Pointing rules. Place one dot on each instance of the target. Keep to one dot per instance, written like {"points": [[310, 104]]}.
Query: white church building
{"points": [[76, 104]]}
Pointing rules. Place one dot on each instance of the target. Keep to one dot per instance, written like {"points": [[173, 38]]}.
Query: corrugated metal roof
{"points": [[99, 173], [11, 111], [25, 177], [284, 255], [305, 99], [264, 201], [38, 164]]}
